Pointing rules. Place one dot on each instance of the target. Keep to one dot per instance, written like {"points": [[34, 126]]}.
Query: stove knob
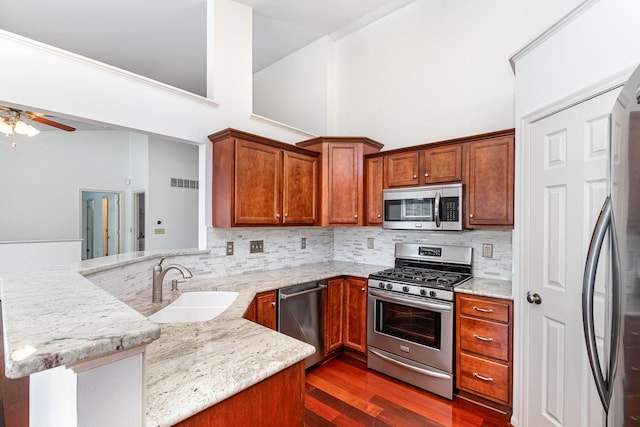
{"points": [[432, 294], [405, 289], [423, 292], [381, 285], [389, 286]]}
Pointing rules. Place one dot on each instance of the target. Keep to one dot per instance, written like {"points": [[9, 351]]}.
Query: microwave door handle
{"points": [[436, 210]]}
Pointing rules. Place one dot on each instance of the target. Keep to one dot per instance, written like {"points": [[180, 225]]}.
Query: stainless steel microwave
{"points": [[436, 207]]}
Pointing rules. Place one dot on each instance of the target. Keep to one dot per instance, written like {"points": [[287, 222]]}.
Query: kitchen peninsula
{"points": [[60, 318]]}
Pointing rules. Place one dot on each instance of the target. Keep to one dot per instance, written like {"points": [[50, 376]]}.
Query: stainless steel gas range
{"points": [[410, 322]]}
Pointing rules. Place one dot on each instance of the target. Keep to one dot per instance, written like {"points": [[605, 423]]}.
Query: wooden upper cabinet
{"points": [[373, 178], [401, 170], [438, 165], [442, 164], [258, 181], [257, 177], [300, 188], [489, 182], [341, 199]]}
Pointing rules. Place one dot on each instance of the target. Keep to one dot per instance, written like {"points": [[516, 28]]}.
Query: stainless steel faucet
{"points": [[158, 276]]}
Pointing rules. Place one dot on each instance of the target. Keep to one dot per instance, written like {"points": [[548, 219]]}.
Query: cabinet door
{"points": [[266, 314], [299, 189], [344, 183], [401, 169], [490, 183], [373, 191], [442, 165], [355, 316], [333, 314], [257, 184]]}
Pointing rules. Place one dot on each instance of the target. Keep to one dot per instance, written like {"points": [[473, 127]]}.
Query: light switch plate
{"points": [[256, 246], [487, 250], [370, 243], [303, 243], [229, 248], [158, 231]]}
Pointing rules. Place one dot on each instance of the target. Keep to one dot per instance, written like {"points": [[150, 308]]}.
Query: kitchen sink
{"points": [[195, 307]]}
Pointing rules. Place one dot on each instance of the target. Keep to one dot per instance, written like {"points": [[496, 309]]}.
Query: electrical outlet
{"points": [[229, 248], [487, 250], [370, 243], [303, 243], [256, 246], [158, 231]]}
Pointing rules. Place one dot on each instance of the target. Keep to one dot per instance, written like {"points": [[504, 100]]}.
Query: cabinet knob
{"points": [[286, 215], [426, 175], [355, 216], [415, 176], [277, 215], [379, 216], [470, 215], [362, 289], [273, 303]]}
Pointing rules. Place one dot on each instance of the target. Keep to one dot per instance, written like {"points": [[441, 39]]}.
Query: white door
{"points": [[567, 186]]}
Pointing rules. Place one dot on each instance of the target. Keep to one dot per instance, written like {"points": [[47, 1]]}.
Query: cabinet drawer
{"points": [[485, 308], [632, 330], [632, 369], [484, 337], [484, 377]]}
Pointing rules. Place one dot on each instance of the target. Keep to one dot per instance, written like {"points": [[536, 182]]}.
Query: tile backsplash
{"points": [[282, 248], [350, 244]]}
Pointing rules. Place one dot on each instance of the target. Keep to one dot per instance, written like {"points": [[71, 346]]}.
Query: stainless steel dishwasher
{"points": [[300, 315]]}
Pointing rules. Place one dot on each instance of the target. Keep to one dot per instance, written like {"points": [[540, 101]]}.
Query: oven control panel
{"points": [[404, 288]]}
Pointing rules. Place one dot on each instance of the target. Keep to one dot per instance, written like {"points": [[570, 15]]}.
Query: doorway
{"points": [[138, 220], [100, 223]]}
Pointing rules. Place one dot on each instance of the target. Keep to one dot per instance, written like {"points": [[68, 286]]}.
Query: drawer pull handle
{"points": [[482, 310], [634, 418], [478, 337], [635, 333], [480, 377], [635, 368]]}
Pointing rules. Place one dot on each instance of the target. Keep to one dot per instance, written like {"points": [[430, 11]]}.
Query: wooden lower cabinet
{"points": [[277, 401], [484, 348], [333, 314], [355, 314], [263, 309]]}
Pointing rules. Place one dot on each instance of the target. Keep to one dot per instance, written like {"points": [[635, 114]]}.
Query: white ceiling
{"points": [[166, 40]]}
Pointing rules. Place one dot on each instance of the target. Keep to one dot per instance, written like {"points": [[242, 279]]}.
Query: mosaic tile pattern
{"points": [[350, 244]]}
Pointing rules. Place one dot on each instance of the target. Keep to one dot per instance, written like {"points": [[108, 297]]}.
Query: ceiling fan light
{"points": [[31, 131], [21, 127], [5, 128]]}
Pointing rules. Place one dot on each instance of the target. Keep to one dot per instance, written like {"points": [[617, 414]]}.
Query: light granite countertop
{"points": [[196, 365], [487, 287], [189, 366], [57, 317]]}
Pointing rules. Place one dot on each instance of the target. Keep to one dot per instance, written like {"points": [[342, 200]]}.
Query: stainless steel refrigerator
{"points": [[615, 247]]}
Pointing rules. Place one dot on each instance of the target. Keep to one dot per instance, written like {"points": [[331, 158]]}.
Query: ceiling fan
{"points": [[12, 120]]}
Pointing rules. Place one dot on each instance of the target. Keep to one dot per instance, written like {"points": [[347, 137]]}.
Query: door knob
{"points": [[533, 298]]}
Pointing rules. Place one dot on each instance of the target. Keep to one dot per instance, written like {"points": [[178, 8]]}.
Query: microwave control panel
{"points": [[450, 209]]}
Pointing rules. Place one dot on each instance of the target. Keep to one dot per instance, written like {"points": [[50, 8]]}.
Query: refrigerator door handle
{"points": [[605, 222]]}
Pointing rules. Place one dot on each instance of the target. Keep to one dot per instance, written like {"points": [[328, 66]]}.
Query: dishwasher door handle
{"points": [[297, 294]]}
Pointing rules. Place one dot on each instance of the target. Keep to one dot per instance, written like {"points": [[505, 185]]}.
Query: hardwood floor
{"points": [[343, 392]]}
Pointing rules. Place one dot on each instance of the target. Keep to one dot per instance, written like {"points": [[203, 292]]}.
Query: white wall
{"points": [[294, 89], [430, 71], [176, 208], [43, 175]]}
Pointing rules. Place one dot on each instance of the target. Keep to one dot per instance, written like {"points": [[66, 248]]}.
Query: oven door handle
{"points": [[410, 367], [417, 304]]}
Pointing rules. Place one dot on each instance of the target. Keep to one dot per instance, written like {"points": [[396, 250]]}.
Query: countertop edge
{"points": [[494, 288]]}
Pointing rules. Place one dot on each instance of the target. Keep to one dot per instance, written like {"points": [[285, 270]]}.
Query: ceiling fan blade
{"points": [[51, 123]]}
